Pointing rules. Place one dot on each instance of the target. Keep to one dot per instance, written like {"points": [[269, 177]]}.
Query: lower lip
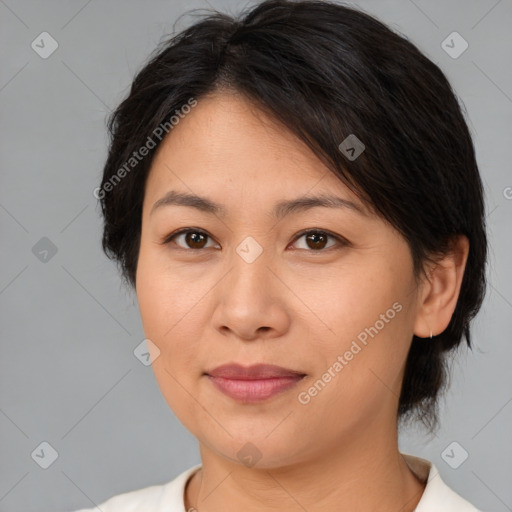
{"points": [[254, 390]]}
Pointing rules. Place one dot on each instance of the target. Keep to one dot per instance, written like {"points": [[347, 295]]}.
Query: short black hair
{"points": [[325, 71]]}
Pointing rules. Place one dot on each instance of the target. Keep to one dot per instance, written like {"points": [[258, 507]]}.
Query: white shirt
{"points": [[169, 497]]}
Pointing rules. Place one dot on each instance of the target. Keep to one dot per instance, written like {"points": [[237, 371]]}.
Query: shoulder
{"points": [[437, 496], [154, 497]]}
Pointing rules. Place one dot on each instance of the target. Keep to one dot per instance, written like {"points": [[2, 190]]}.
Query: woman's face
{"points": [[246, 286]]}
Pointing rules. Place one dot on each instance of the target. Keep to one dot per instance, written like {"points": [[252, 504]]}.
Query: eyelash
{"points": [[341, 241]]}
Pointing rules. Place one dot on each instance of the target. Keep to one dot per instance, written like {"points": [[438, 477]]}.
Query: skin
{"points": [[296, 305]]}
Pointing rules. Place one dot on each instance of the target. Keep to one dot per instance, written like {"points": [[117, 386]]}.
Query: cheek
{"points": [[368, 320], [167, 313], [352, 301], [163, 304], [166, 296]]}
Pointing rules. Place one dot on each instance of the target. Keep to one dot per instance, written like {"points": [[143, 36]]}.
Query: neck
{"points": [[364, 473]]}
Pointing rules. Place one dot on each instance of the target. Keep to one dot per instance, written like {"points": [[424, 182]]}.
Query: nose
{"points": [[251, 300]]}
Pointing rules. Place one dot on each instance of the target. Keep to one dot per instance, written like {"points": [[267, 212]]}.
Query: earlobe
{"points": [[441, 290]]}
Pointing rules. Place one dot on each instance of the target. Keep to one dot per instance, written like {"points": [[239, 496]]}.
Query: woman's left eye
{"points": [[315, 240]]}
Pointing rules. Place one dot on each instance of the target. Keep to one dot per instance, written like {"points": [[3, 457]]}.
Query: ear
{"points": [[440, 291]]}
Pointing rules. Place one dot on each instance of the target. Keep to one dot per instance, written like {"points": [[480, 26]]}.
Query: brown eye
{"points": [[195, 240], [317, 240], [191, 239]]}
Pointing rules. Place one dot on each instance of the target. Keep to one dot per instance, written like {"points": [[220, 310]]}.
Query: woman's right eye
{"points": [[190, 239]]}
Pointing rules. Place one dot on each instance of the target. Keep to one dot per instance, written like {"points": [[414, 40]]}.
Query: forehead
{"points": [[226, 144], [227, 130]]}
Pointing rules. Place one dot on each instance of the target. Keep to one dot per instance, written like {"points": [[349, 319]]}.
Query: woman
{"points": [[294, 197]]}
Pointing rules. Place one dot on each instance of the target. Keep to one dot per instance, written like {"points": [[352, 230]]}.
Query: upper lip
{"points": [[257, 371]]}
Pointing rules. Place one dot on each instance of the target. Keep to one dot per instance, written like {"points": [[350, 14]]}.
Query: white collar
{"points": [[437, 496]]}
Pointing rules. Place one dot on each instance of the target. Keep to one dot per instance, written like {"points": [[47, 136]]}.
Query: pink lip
{"points": [[253, 383]]}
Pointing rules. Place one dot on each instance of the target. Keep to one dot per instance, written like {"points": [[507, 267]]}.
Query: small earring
{"points": [[430, 333]]}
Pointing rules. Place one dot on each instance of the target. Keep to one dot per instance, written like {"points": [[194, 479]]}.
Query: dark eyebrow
{"points": [[281, 209]]}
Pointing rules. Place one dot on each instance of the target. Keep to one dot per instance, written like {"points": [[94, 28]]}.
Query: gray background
{"points": [[68, 372]]}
